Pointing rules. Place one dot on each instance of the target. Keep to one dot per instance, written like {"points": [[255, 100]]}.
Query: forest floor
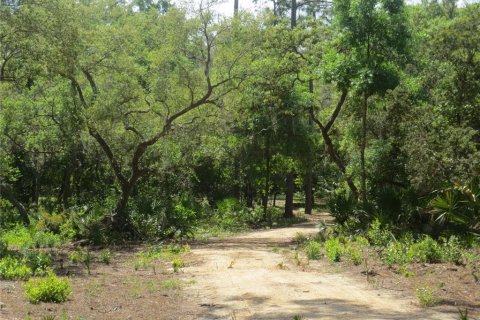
{"points": [[255, 275]]}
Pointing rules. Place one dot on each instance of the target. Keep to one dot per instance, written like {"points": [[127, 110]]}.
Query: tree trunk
{"points": [[338, 161], [309, 188], [22, 210], [235, 7], [249, 194], [363, 145], [290, 189], [309, 201], [293, 17], [266, 190], [66, 188], [121, 220]]}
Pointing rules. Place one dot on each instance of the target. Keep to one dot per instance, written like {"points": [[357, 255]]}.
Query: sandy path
{"points": [[244, 277]]}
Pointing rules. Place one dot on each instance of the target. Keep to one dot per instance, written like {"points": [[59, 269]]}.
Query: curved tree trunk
{"points": [[6, 193]]}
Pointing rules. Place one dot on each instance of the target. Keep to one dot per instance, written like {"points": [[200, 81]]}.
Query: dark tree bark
{"points": [[290, 183], [6, 193], [309, 201], [324, 129], [293, 17], [235, 7], [363, 146], [266, 190]]}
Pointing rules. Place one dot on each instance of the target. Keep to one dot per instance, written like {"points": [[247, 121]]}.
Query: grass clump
{"points": [[300, 238], [12, 268], [333, 249], [426, 250], [312, 249], [171, 284], [354, 253], [177, 264], [48, 289], [426, 297], [105, 256], [82, 256]]}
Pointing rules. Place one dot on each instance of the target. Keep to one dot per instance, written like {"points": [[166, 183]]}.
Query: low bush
{"points": [[18, 237], [378, 235], [426, 297], [48, 289], [39, 262], [12, 268], [426, 250], [46, 239], [81, 256], [177, 264], [354, 253], [333, 249], [312, 249], [105, 256]]}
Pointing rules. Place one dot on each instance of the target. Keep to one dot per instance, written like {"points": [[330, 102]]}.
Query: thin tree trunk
{"points": [[324, 129], [22, 210], [266, 190], [363, 145], [309, 188], [290, 182], [293, 17], [235, 7], [309, 201]]}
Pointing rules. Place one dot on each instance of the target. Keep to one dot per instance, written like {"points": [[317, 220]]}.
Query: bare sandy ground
{"points": [[250, 276]]}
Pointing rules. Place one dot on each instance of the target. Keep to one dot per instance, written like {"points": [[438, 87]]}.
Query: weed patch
{"points": [[48, 289]]}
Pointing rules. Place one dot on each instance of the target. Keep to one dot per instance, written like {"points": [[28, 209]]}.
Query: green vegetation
{"points": [[105, 256], [12, 268], [82, 256], [48, 289], [145, 121], [426, 297], [333, 250], [313, 250], [177, 264]]}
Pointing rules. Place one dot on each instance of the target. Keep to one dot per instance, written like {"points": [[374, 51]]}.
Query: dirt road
{"points": [[253, 276]]}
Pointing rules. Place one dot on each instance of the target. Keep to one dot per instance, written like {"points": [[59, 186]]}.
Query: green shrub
{"points": [[333, 249], [19, 237], [177, 264], [48, 289], [312, 249], [427, 297], [354, 253], [395, 253], [452, 250], [3, 248], [46, 240], [105, 256], [12, 268], [377, 235], [81, 256], [341, 206], [426, 250], [39, 262]]}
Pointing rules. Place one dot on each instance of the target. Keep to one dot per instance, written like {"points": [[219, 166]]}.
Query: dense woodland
{"points": [[144, 120]]}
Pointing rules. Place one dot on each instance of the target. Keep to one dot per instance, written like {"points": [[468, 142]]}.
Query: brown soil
{"points": [[255, 275], [113, 291]]}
